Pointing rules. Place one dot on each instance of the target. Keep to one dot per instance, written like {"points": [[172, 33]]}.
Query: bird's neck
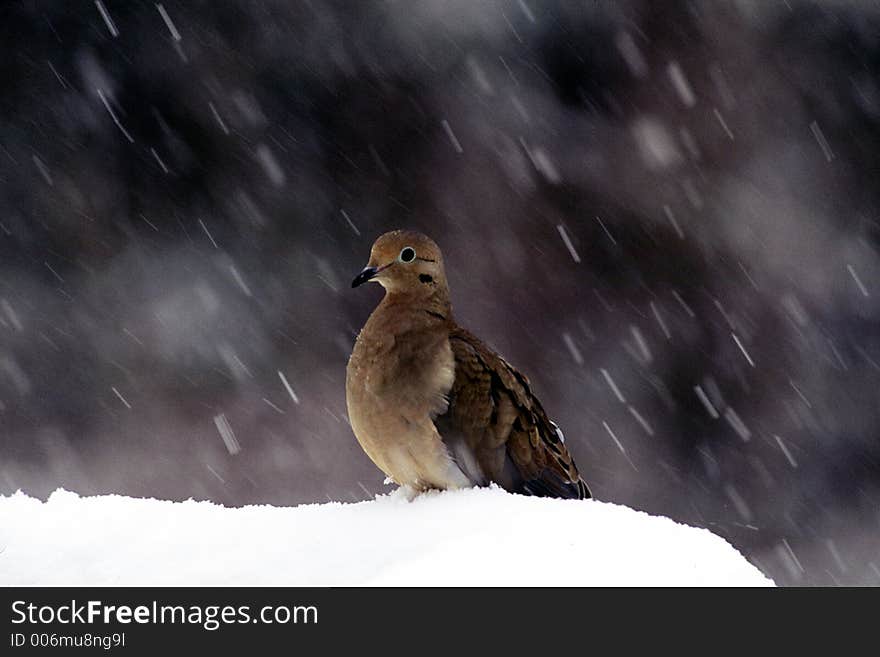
{"points": [[417, 306]]}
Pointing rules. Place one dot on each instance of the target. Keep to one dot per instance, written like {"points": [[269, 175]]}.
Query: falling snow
{"points": [[227, 434]]}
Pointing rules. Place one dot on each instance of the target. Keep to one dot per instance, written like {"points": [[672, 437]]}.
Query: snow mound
{"points": [[471, 537]]}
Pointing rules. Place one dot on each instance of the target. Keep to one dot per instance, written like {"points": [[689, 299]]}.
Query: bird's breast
{"points": [[395, 385], [412, 371]]}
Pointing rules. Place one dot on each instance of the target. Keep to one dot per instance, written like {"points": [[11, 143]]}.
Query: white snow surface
{"points": [[471, 537]]}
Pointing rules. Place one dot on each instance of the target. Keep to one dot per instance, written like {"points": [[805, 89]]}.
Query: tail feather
{"points": [[551, 484]]}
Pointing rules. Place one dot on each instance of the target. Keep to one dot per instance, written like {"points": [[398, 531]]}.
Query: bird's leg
{"points": [[405, 492]]}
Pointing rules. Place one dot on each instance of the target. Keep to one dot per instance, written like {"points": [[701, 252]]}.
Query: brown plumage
{"points": [[431, 405]]}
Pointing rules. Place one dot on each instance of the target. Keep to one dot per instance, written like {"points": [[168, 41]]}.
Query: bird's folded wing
{"points": [[503, 426]]}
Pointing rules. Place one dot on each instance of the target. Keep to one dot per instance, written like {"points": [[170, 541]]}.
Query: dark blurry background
{"points": [[666, 214]]}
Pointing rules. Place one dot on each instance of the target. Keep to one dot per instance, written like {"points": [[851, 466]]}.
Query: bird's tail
{"points": [[552, 484]]}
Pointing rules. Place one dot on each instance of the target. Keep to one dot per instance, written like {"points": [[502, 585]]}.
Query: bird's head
{"points": [[405, 261]]}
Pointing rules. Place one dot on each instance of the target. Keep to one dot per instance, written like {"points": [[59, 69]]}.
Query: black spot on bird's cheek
{"points": [[425, 278]]}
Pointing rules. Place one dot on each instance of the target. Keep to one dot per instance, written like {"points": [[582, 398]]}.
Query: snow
{"points": [[470, 537]]}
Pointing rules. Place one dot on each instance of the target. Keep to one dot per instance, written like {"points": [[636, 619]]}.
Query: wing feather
{"points": [[494, 420]]}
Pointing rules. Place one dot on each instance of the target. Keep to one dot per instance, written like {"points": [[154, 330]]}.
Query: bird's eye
{"points": [[407, 254]]}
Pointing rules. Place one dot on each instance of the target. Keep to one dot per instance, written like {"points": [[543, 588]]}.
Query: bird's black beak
{"points": [[364, 276]]}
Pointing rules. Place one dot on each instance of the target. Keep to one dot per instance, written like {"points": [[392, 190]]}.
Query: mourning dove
{"points": [[430, 404]]}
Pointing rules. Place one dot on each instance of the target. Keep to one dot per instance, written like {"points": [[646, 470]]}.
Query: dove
{"points": [[430, 404]]}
